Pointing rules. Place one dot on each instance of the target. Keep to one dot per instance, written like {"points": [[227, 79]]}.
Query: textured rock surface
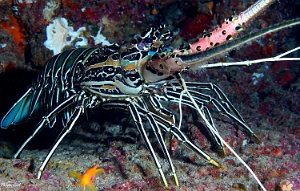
{"points": [[271, 106]]}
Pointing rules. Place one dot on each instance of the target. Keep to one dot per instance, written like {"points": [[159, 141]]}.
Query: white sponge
{"points": [[59, 35], [99, 38]]}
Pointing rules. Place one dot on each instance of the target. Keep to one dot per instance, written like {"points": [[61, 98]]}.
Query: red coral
{"points": [[264, 108], [17, 30], [9, 66], [285, 77], [196, 26], [281, 65]]}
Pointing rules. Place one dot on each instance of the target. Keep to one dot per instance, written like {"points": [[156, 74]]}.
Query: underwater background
{"points": [[267, 95]]}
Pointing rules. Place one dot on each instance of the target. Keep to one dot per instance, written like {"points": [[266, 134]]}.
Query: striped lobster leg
{"points": [[221, 104], [136, 113], [137, 110], [47, 120], [79, 109]]}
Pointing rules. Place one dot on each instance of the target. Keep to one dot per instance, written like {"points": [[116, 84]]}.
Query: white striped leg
{"points": [[136, 116], [148, 115], [249, 131], [47, 120], [185, 100], [222, 103], [174, 96], [79, 109], [194, 87], [169, 127], [155, 107]]}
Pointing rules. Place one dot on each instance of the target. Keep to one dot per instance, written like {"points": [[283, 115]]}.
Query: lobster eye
{"points": [[109, 69]]}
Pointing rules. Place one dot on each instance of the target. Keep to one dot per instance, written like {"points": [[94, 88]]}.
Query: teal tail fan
{"points": [[20, 111]]}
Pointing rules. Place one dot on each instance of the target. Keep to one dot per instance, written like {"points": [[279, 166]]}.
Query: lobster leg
{"points": [[225, 107], [79, 109], [169, 127], [147, 114], [155, 107], [46, 120], [219, 144], [132, 106], [222, 104], [174, 96], [194, 87]]}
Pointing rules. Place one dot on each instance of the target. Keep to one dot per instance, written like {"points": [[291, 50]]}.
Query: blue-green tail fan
{"points": [[21, 111]]}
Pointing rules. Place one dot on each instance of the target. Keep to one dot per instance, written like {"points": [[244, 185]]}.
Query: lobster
{"points": [[136, 77]]}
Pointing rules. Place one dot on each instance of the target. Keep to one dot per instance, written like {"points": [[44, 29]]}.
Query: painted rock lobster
{"points": [[136, 77]]}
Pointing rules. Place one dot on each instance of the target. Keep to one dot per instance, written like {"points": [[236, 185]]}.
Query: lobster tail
{"points": [[52, 91], [21, 111]]}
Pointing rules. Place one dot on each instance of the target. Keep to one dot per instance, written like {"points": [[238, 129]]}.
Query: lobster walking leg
{"points": [[222, 104], [186, 91], [136, 116], [79, 109], [144, 111], [46, 120], [195, 87], [179, 135], [173, 94]]}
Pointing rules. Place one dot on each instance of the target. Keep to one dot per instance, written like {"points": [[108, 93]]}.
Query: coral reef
{"points": [[269, 103]]}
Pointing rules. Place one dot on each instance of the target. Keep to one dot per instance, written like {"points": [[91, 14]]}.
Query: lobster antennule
{"points": [[197, 59], [20, 111]]}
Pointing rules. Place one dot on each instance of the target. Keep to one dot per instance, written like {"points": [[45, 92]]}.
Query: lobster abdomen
{"points": [[54, 85]]}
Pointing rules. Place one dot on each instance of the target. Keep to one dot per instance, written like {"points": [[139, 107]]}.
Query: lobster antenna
{"points": [[185, 90], [254, 10], [230, 27], [250, 62], [202, 57]]}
